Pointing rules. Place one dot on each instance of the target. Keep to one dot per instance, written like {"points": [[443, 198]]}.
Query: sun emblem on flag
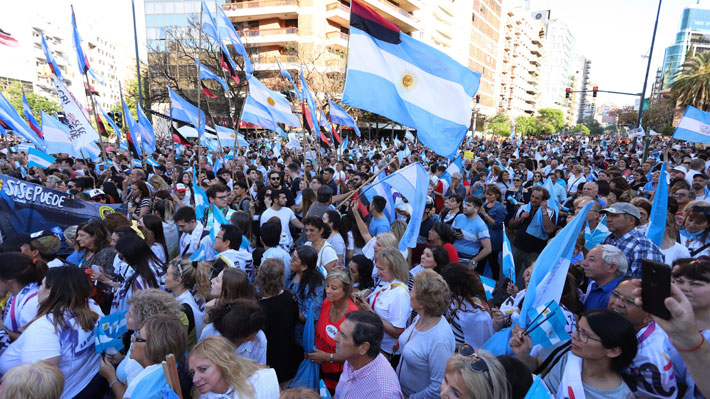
{"points": [[407, 81], [271, 101]]}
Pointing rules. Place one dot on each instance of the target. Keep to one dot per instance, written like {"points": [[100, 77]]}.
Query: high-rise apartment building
{"points": [[693, 37], [107, 58], [559, 66], [523, 42], [469, 32]]}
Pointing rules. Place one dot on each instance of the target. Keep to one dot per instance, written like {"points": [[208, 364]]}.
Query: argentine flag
{"points": [[182, 110], [276, 104], [547, 325], [56, 136], [659, 210], [507, 258], [694, 126], [391, 74], [38, 158], [200, 195], [341, 117], [488, 285]]}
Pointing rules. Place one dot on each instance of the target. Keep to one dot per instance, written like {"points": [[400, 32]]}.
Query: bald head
{"points": [[590, 189]]}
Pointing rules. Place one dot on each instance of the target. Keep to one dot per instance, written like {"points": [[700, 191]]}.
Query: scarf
{"points": [[535, 228], [571, 383]]}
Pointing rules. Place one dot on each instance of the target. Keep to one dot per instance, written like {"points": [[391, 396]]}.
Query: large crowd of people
{"points": [[293, 243]]}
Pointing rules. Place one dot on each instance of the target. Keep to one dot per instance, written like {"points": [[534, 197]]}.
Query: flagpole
{"points": [[90, 98], [199, 98], [138, 62]]}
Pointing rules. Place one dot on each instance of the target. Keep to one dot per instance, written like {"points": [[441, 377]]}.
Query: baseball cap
{"points": [[680, 169], [180, 187], [620, 208], [325, 193], [46, 242], [96, 193]]}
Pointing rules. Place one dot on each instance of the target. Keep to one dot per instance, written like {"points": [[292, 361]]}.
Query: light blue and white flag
{"points": [[206, 73], [258, 115], [547, 325], [454, 167], [145, 128], [312, 107], [151, 161], [200, 196], [592, 238], [50, 59], [109, 331], [383, 190], [219, 221], [538, 390], [694, 126], [14, 121], [226, 136], [411, 182], [228, 33], [110, 121], [507, 262], [288, 76], [341, 117], [412, 84], [199, 255], [56, 136], [275, 103], [39, 158], [488, 285], [209, 27], [550, 272], [659, 210], [133, 129], [81, 130], [82, 60], [182, 110], [409, 136]]}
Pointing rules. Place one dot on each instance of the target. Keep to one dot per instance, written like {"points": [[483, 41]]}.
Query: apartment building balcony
{"points": [[398, 16], [269, 37], [261, 9], [285, 60], [338, 13], [337, 40]]}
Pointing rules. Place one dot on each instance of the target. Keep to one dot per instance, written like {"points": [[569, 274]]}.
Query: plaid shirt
{"points": [[635, 246], [376, 379]]}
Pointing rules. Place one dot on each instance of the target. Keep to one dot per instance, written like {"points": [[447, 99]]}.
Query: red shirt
{"points": [[325, 340], [453, 253]]}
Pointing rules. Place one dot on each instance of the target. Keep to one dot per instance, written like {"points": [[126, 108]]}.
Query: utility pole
{"points": [[645, 80]]}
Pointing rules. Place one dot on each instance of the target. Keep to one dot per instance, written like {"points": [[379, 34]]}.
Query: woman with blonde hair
{"points": [[39, 380], [428, 341], [216, 369], [474, 373], [181, 279], [390, 300], [158, 183]]}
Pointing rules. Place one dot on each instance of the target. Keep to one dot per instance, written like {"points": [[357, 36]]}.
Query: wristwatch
{"points": [[331, 358]]}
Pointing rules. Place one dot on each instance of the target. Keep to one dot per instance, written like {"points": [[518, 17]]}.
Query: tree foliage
{"points": [[550, 120], [580, 128], [593, 125], [500, 125], [526, 125], [36, 102], [625, 115], [691, 84], [659, 116]]}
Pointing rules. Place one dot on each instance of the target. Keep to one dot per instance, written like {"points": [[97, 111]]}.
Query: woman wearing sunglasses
{"points": [[591, 363], [474, 373]]}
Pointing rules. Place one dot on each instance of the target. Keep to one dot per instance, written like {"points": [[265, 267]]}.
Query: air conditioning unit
{"points": [[542, 16]]}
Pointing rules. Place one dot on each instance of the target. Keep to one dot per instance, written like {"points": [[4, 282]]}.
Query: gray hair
{"points": [[612, 255], [456, 176]]}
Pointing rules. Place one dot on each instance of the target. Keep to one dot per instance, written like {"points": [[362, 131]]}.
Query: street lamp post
{"points": [[645, 80]]}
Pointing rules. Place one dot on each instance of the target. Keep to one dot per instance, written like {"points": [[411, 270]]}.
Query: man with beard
{"points": [[700, 189]]}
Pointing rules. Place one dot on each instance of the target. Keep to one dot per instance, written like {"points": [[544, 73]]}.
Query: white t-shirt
{"points": [[338, 244], [187, 298], [254, 350], [677, 251], [326, 255], [78, 359], [264, 382], [284, 214], [21, 309], [574, 182], [391, 303]]}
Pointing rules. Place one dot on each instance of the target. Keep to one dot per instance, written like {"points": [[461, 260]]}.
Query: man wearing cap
{"points": [[700, 187], [678, 173], [97, 195], [180, 194], [44, 245], [622, 219]]}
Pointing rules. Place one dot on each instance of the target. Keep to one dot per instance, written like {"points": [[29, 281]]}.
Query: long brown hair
{"points": [[69, 292]]}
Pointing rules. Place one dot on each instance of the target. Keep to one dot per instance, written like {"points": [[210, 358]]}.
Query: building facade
{"points": [[522, 58], [692, 38]]}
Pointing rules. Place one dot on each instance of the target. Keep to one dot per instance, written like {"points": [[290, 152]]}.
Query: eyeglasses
{"points": [[585, 337], [623, 299], [477, 364], [220, 237], [137, 338], [680, 195], [274, 178], [222, 196]]}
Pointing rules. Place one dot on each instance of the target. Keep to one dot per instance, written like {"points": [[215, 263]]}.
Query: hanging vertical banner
{"points": [[80, 129]]}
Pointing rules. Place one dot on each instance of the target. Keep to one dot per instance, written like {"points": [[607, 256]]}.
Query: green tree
{"points": [[130, 96], [691, 84], [659, 115], [580, 128], [550, 120], [500, 125], [36, 102], [625, 116], [526, 125], [594, 126]]}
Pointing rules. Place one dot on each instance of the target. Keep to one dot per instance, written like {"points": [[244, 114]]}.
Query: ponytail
{"points": [[22, 268]]}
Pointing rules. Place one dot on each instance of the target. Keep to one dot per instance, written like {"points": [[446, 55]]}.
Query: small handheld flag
{"points": [[38, 158], [694, 126]]}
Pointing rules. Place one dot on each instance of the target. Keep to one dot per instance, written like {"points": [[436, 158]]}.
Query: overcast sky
{"points": [[616, 34]]}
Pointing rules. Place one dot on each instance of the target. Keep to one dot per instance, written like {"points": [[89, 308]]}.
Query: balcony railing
{"points": [[268, 32], [270, 59], [337, 6], [258, 4], [393, 8], [337, 35]]}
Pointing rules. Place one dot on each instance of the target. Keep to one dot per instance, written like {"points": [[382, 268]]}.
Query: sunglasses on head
{"points": [[477, 364]]}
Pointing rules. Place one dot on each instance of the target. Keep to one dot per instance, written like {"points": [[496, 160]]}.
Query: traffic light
{"points": [[594, 91], [478, 98], [567, 92], [118, 118]]}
